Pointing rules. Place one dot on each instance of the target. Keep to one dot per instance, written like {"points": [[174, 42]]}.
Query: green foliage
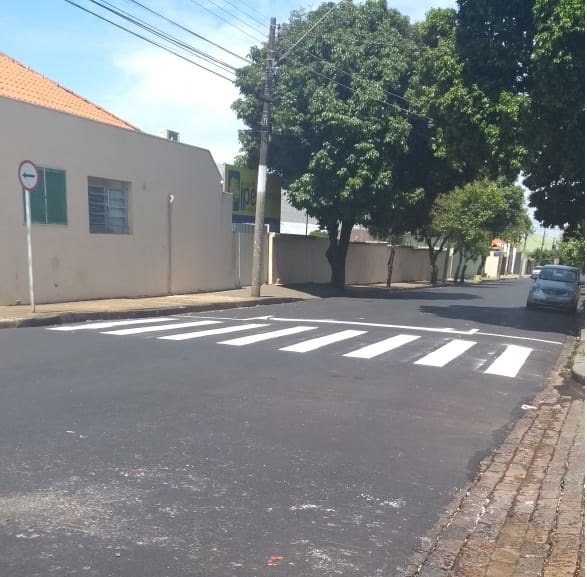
{"points": [[471, 215], [338, 128], [572, 250], [529, 55], [544, 255], [555, 133]]}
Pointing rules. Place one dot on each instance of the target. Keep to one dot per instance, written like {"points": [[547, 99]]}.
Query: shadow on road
{"points": [[519, 318], [382, 292]]}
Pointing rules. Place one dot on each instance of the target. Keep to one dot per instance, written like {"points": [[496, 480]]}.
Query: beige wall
{"points": [[300, 259], [69, 262]]}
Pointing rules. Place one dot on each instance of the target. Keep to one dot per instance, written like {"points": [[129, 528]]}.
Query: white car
{"points": [[536, 271]]}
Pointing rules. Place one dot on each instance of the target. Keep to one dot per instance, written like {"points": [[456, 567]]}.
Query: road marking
{"points": [[139, 330], [445, 354], [451, 331], [381, 347], [240, 341], [221, 331], [319, 342], [375, 325], [509, 362], [109, 324], [522, 338]]}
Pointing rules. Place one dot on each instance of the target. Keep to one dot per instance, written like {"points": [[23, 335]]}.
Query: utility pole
{"points": [[259, 232]]}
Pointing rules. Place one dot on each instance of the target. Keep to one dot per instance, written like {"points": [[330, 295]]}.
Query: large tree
{"points": [[468, 136], [339, 120], [535, 50]]}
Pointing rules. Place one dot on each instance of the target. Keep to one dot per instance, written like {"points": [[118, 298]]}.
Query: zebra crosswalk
{"points": [[504, 360]]}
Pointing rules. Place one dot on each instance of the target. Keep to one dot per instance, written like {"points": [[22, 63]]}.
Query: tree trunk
{"points": [[458, 269], [462, 281], [433, 255], [337, 251], [390, 264], [482, 265]]}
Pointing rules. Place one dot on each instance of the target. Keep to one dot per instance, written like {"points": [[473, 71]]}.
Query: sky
{"points": [[141, 83]]}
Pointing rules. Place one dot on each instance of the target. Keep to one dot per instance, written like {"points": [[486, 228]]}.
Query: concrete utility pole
{"points": [[257, 271]]}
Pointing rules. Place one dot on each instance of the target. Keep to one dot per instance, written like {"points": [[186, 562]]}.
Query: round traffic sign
{"points": [[28, 174]]}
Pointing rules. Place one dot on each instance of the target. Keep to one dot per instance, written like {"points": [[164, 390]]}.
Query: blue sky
{"points": [[141, 83]]}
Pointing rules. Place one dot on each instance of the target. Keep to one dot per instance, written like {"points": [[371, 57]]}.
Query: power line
{"points": [[150, 41], [233, 15], [307, 32], [246, 13], [355, 91], [351, 74], [189, 31], [256, 38], [163, 35]]}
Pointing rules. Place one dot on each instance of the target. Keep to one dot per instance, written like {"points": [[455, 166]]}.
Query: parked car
{"points": [[557, 286], [536, 271]]}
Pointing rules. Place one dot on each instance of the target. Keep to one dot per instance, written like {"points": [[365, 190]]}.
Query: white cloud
{"points": [[155, 90]]}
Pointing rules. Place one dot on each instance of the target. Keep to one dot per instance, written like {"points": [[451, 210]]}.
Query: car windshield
{"points": [[552, 274]]}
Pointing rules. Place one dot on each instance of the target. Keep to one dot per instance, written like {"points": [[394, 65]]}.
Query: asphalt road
{"points": [[311, 439]]}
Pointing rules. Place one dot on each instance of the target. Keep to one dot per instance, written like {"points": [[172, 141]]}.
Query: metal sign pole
{"points": [[28, 175], [27, 195]]}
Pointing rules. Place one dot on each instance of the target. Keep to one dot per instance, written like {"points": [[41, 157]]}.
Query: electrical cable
{"points": [[256, 38], [189, 31], [163, 35], [150, 41]]}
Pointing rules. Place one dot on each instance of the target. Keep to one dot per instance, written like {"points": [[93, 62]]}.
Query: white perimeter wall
{"points": [[69, 262]]}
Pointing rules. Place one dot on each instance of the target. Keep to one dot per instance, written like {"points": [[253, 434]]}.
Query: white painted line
{"points": [[376, 325], [445, 354], [509, 362], [109, 324], [221, 331], [139, 330], [240, 341], [381, 347], [319, 342], [521, 338]]}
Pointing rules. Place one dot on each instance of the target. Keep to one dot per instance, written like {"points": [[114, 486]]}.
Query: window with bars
{"points": [[108, 206], [49, 197]]}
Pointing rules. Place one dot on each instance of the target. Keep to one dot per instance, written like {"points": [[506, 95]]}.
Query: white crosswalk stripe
{"points": [[159, 328], [319, 342], [241, 341], [445, 354], [509, 363], [209, 332], [109, 324], [376, 349]]}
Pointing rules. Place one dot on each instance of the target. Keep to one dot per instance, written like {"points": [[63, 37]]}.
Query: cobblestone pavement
{"points": [[524, 516]]}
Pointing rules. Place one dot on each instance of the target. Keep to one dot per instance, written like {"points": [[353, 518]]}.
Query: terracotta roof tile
{"points": [[21, 83]]}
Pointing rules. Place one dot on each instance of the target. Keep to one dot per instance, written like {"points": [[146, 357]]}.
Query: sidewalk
{"points": [[524, 514], [69, 312]]}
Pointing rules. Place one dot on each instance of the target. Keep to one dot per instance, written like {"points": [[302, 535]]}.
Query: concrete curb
{"points": [[578, 368], [79, 317]]}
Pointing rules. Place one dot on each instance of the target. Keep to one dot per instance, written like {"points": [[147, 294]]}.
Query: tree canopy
{"points": [[339, 120]]}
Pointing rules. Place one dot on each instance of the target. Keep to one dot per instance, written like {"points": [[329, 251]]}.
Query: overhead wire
{"points": [[355, 91], [189, 31], [246, 13], [163, 35], [233, 15], [149, 40], [256, 38]]}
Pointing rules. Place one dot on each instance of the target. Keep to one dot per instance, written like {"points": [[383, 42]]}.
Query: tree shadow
{"points": [[521, 318], [382, 292]]}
